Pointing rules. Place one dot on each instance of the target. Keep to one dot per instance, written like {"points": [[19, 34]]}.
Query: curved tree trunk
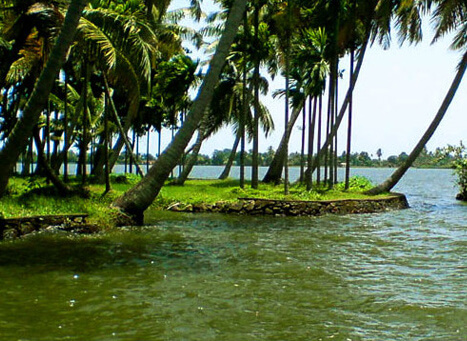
{"points": [[62, 187], [390, 182], [135, 201], [274, 172], [233, 153], [190, 163], [122, 140], [18, 138]]}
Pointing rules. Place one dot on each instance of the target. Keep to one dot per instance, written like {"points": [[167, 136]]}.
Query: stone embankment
{"points": [[11, 228], [254, 206]]}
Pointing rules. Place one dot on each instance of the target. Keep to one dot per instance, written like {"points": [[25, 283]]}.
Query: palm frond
{"points": [[22, 67]]}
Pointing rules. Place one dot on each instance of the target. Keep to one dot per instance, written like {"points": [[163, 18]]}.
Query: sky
{"points": [[397, 94]]}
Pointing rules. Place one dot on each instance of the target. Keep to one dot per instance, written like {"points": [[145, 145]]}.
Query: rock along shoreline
{"points": [[256, 206], [13, 228]]}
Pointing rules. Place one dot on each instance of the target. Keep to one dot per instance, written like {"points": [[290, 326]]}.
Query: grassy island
{"points": [[34, 197]]}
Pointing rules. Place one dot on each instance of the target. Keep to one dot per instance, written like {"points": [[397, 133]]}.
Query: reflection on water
{"points": [[393, 276]]}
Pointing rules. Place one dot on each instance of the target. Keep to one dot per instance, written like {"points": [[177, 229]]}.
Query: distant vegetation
{"points": [[427, 159]]}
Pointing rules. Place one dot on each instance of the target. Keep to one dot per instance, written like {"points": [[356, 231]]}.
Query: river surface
{"points": [[399, 275]]}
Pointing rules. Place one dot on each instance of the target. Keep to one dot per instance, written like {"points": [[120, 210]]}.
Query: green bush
{"points": [[459, 164], [356, 183]]}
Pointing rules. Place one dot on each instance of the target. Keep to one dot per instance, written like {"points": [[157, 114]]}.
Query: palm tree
{"points": [[124, 45], [18, 138], [395, 177], [308, 74], [135, 201], [240, 115], [448, 16]]}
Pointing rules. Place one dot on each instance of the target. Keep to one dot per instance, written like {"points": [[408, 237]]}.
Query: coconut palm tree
{"points": [[18, 138], [135, 201], [449, 15], [234, 100], [309, 70]]}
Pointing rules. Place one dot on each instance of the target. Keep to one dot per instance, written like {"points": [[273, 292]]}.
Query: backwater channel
{"points": [[399, 275]]}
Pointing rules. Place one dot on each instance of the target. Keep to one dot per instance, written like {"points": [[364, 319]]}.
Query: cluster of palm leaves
{"points": [[126, 70], [125, 64]]}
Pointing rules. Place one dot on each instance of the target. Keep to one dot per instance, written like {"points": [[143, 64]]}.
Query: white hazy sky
{"points": [[397, 94]]}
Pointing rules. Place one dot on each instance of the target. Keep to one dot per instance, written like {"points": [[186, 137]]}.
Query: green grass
{"points": [[33, 196], [211, 191]]}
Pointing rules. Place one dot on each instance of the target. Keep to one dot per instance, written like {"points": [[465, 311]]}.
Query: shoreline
{"points": [[282, 208]]}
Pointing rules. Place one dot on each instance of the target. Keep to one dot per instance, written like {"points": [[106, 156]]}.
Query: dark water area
{"points": [[398, 275]]}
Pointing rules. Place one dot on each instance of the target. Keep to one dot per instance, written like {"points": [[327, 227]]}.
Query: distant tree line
{"points": [[427, 159]]}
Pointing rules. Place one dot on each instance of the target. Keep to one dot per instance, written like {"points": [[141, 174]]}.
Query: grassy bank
{"points": [[33, 196]]}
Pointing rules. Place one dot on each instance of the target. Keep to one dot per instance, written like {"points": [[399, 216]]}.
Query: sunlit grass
{"points": [[33, 196], [211, 191]]}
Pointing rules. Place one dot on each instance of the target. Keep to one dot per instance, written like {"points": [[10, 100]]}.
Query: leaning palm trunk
{"points": [[395, 177], [123, 131], [61, 187], [233, 153], [18, 138], [190, 163], [274, 172], [121, 141], [135, 201]]}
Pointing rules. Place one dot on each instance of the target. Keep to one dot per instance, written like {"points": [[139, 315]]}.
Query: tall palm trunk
{"points": [[330, 123], [395, 177], [287, 97], [27, 160], [18, 138], [65, 131], [336, 108], [84, 140], [135, 201], [230, 161], [302, 150], [255, 154], [311, 137], [148, 143], [274, 173], [344, 105], [68, 135], [245, 108], [106, 143], [318, 142], [349, 127]]}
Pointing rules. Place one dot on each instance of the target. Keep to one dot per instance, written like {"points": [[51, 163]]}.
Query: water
{"points": [[393, 276]]}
